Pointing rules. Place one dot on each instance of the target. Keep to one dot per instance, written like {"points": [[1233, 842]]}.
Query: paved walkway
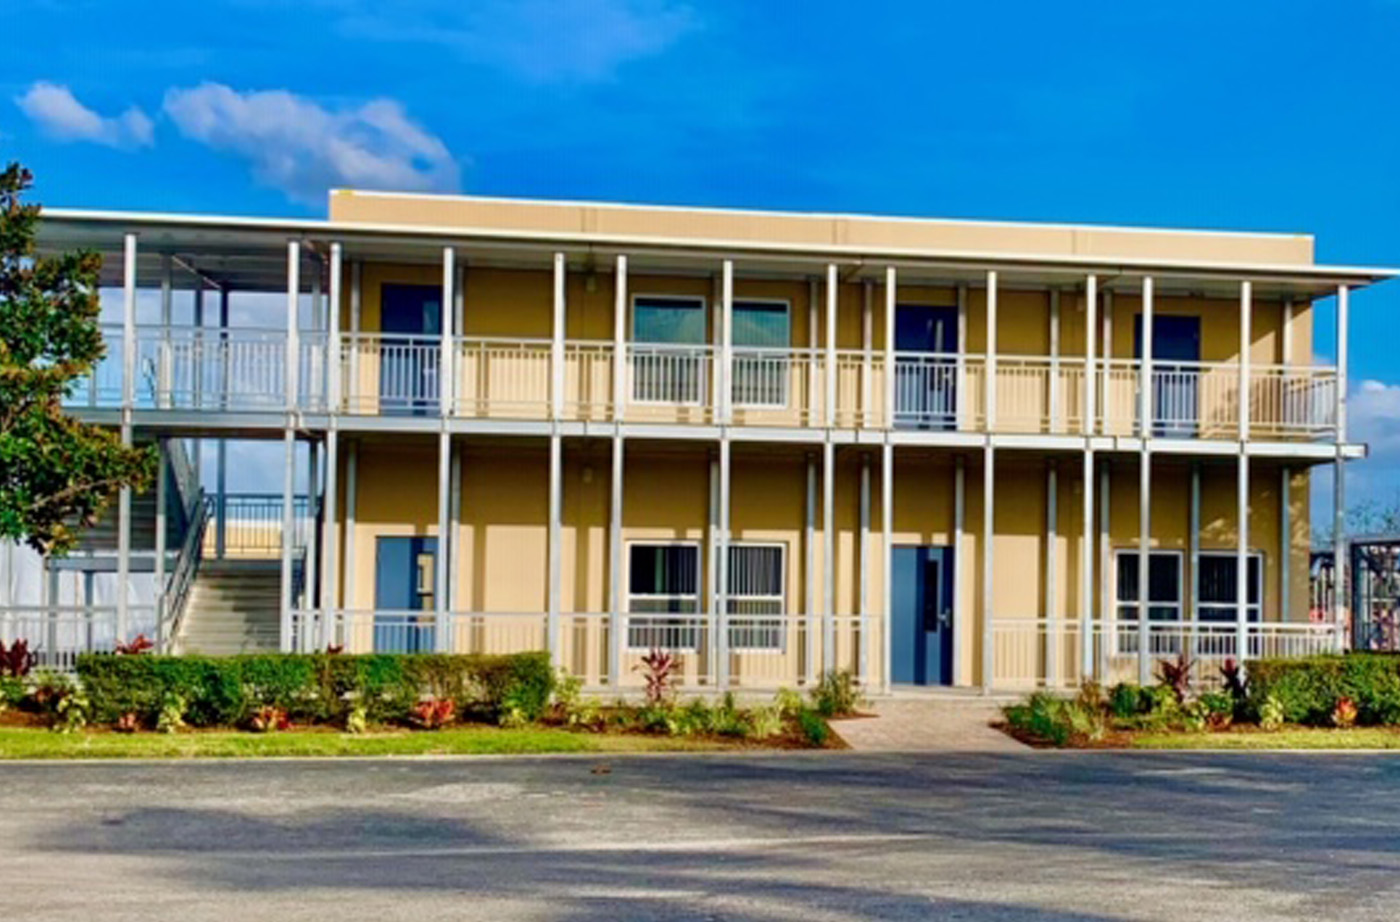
{"points": [[915, 722]]}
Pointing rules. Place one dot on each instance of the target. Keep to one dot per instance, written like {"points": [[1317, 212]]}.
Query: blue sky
{"points": [[1238, 115]]}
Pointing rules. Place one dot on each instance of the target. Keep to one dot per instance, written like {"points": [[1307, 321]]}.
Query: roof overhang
{"points": [[243, 253]]}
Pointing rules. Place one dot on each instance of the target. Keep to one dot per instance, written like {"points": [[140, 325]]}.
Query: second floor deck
{"points": [[246, 370]]}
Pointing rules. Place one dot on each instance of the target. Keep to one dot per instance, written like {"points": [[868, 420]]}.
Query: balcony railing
{"points": [[387, 374], [1030, 652], [764, 651]]}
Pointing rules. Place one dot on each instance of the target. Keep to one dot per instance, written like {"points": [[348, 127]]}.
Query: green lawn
{"points": [[1288, 738], [34, 743]]}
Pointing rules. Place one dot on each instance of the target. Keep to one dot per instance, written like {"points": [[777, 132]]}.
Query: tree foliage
{"points": [[57, 474]]}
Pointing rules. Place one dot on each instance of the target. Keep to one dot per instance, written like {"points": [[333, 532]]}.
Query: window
{"points": [[663, 596], [1163, 597], [755, 602], [762, 363], [669, 357], [1219, 583]]}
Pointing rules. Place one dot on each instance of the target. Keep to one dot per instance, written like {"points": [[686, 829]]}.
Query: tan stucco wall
{"points": [[502, 557], [799, 229]]}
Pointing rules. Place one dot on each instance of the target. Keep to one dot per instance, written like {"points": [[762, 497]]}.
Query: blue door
{"points": [[405, 576], [922, 616], [925, 395], [411, 321], [1176, 352]]}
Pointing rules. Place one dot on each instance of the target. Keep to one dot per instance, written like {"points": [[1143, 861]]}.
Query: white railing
{"points": [[1030, 652], [245, 369], [588, 380], [503, 377], [390, 374], [926, 389], [1040, 394], [776, 387], [252, 524], [765, 651], [59, 633], [1293, 401]]}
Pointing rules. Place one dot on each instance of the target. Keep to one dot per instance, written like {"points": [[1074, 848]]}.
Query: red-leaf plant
{"points": [[268, 719], [658, 669], [17, 660], [434, 713], [1176, 675], [1233, 678], [137, 645], [128, 723]]}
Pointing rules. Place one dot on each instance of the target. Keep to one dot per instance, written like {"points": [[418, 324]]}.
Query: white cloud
{"points": [[58, 112], [537, 40], [303, 148]]}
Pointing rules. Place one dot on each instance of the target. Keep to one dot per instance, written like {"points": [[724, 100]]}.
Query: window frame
{"points": [[780, 617], [694, 628], [1250, 608], [689, 351], [781, 354], [1126, 629]]}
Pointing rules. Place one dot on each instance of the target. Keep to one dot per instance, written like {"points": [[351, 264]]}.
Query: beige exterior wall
{"points": [[797, 229], [502, 552]]}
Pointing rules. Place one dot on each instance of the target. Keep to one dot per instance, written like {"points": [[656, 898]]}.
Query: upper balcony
{"points": [[240, 370]]}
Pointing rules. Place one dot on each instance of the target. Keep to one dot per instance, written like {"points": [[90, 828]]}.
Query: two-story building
{"points": [[927, 451]]}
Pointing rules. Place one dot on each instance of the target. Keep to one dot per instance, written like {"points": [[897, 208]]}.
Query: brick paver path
{"points": [[927, 724]]}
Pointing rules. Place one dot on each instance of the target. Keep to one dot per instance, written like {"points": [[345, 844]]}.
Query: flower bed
{"points": [[1335, 692]]}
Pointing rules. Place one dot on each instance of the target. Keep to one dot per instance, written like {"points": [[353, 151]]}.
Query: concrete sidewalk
{"points": [[928, 722]]}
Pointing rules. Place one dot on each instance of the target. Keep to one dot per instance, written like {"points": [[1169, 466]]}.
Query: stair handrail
{"points": [[177, 592]]}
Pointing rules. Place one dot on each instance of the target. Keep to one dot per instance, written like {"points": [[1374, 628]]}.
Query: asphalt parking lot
{"points": [[811, 836]]}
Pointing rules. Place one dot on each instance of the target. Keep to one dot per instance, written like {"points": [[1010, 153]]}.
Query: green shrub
{"points": [[1042, 716], [171, 717], [1308, 689], [814, 726], [314, 688], [1125, 700], [765, 721], [837, 694], [12, 692], [1271, 713]]}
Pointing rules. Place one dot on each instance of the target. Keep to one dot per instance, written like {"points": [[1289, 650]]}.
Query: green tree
{"points": [[57, 474]]}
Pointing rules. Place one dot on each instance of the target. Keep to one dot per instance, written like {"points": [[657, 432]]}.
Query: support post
{"points": [[1242, 558], [1246, 339], [1052, 614], [1086, 565], [293, 307], [887, 557], [441, 610], [809, 590], [352, 502], [165, 364], [356, 398], [620, 363], [556, 346], [1144, 562], [454, 532], [1091, 390], [960, 360], [828, 556], [556, 549], [1193, 552], [863, 579], [616, 501], [309, 558], [1107, 361], [866, 406], [832, 300], [990, 410], [1145, 365], [221, 454], [891, 302], [726, 344], [288, 527], [959, 547], [162, 498], [1108, 606], [988, 566], [1056, 425], [721, 625], [127, 433], [1285, 544], [447, 353], [1339, 517], [330, 549]]}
